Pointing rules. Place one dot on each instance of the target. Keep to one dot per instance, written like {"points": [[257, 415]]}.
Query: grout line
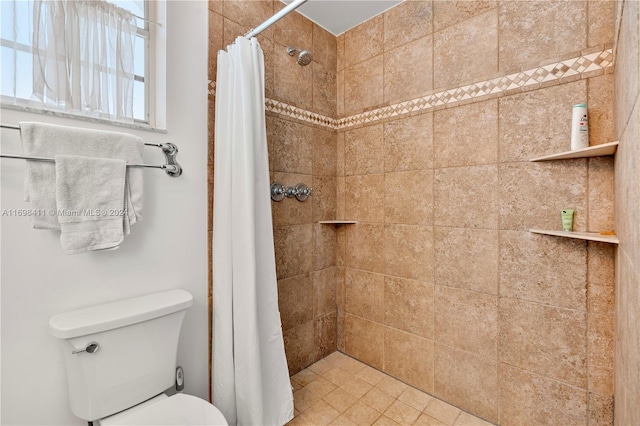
{"points": [[616, 36], [546, 305], [499, 238], [517, 367], [587, 345]]}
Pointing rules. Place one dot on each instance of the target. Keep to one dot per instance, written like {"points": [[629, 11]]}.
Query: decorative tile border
{"points": [[299, 113], [524, 80], [285, 109], [588, 63]]}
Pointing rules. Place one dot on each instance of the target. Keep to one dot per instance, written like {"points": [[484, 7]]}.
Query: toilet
{"points": [[121, 359]]}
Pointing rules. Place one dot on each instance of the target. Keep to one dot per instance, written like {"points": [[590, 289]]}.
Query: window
{"points": [[140, 57], [20, 62]]}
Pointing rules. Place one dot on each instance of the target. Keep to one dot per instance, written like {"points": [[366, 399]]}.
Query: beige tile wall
{"points": [[627, 205], [440, 284], [298, 152]]}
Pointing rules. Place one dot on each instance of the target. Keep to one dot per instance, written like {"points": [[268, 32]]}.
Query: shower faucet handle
{"points": [[302, 192], [277, 191], [305, 190]]}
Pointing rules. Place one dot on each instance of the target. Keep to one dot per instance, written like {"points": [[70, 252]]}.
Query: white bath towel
{"points": [[90, 202], [49, 140]]}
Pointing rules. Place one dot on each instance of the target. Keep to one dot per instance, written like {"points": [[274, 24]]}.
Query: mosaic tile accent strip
{"points": [[299, 113], [526, 80]]}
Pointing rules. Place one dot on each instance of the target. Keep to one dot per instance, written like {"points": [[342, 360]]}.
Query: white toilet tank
{"points": [[136, 355]]}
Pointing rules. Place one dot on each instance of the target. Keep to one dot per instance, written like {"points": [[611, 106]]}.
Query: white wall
{"points": [[168, 249]]}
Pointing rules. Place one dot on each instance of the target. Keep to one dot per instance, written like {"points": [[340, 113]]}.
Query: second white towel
{"points": [[90, 201]]}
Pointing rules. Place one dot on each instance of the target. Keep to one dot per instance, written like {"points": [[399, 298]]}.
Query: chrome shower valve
{"points": [[301, 191]]}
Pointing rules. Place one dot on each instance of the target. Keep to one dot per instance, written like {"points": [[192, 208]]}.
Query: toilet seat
{"points": [[179, 409]]}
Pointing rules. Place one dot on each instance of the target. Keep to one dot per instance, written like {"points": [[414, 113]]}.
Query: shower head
{"points": [[304, 57]]}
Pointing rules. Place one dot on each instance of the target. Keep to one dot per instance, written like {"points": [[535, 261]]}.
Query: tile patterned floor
{"points": [[339, 390]]}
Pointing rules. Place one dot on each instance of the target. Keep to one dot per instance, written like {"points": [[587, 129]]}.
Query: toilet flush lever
{"points": [[91, 348]]}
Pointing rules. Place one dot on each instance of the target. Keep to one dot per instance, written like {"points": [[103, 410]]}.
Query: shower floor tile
{"points": [[339, 390]]}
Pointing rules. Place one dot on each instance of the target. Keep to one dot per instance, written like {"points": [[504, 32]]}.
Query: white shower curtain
{"points": [[250, 374]]}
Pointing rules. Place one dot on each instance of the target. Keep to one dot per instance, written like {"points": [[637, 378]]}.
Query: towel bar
{"points": [[170, 151], [168, 167]]}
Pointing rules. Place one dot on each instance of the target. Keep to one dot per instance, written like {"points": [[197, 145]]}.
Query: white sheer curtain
{"points": [[83, 57], [250, 374]]}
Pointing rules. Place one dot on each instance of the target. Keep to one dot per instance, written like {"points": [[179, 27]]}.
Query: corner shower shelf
{"points": [[589, 236], [338, 222], [592, 151]]}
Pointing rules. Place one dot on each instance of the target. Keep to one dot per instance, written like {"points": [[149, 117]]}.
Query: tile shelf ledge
{"points": [[592, 151], [338, 222], [589, 236]]}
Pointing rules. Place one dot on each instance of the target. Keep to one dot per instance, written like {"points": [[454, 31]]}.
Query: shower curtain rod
{"points": [[275, 18]]}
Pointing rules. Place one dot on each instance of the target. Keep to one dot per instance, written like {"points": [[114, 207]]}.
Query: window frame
{"points": [[145, 34]]}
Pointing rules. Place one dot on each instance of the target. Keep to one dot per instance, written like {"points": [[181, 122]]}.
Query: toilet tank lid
{"points": [[100, 318]]}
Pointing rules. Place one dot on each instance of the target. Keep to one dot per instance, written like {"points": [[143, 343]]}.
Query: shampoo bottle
{"points": [[579, 127]]}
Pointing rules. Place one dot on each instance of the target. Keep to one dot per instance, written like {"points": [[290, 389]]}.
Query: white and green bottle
{"points": [[579, 127]]}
